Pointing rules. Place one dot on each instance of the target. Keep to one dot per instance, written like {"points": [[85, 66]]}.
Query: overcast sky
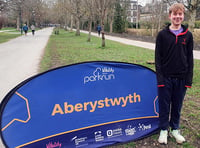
{"points": [[143, 2]]}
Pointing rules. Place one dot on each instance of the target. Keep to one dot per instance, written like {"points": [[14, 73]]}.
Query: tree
{"points": [[2, 7], [90, 12], [157, 16], [1, 21], [102, 7], [76, 9], [191, 6], [60, 13], [118, 24], [17, 9], [32, 11], [49, 14], [25, 11], [110, 18], [125, 7]]}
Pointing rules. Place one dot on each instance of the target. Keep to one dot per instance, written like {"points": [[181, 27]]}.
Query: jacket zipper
{"points": [[183, 33]]}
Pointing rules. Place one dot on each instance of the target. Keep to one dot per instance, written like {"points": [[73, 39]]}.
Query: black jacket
{"points": [[174, 55]]}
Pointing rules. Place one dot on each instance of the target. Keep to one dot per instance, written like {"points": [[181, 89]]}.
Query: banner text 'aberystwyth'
{"points": [[92, 106]]}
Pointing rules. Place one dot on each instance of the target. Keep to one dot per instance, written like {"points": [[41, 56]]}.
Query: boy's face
{"points": [[176, 17]]}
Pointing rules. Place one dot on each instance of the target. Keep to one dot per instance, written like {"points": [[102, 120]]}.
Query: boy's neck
{"points": [[175, 27]]}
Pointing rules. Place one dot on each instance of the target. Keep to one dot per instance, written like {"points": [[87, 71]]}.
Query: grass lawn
{"points": [[10, 30], [9, 33], [7, 28], [4, 36], [66, 48]]}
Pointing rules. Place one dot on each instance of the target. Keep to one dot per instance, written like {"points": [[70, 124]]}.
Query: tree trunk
{"points": [[152, 30], [102, 26], [160, 15], [192, 13], [111, 26], [103, 40], [71, 23], [192, 20], [65, 24], [90, 29], [78, 27], [18, 23], [103, 35]]}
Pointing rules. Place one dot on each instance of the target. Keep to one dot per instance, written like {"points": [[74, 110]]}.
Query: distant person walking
{"points": [[99, 29], [33, 29], [25, 29]]}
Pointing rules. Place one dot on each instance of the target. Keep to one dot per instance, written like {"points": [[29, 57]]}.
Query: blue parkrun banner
{"points": [[84, 105]]}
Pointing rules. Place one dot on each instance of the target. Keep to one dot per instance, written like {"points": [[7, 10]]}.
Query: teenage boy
{"points": [[174, 71]]}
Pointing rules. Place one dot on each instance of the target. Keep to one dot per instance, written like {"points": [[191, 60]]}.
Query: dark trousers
{"points": [[33, 32], [99, 32], [171, 98]]}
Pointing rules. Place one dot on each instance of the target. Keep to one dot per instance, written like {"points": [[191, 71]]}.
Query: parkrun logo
{"points": [[100, 74]]}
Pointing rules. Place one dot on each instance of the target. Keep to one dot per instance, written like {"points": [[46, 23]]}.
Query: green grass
{"points": [[7, 28], [4, 36], [195, 91], [74, 49], [66, 48], [11, 34], [10, 30]]}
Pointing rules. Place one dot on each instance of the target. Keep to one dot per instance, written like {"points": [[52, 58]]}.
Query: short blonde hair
{"points": [[175, 7]]}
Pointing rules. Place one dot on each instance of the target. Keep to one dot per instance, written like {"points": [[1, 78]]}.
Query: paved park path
{"points": [[20, 57]]}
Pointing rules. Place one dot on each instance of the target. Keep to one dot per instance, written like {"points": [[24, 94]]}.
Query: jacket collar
{"points": [[185, 29]]}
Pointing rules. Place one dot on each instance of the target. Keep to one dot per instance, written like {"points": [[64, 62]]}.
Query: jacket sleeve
{"points": [[189, 76], [159, 74]]}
